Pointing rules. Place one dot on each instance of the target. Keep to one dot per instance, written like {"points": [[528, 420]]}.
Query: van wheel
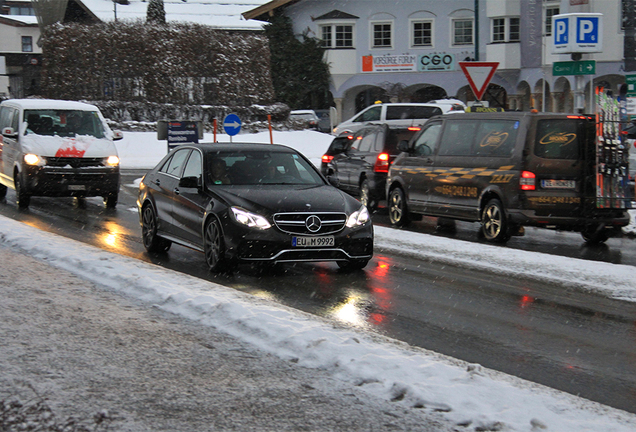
{"points": [[110, 200], [365, 196], [398, 211], [494, 225], [23, 199], [595, 234]]}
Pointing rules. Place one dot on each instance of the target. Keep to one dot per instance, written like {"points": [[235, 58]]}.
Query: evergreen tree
{"points": [[156, 13], [299, 73]]}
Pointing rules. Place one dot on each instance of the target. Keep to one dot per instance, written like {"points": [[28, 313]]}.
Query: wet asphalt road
{"points": [[576, 342]]}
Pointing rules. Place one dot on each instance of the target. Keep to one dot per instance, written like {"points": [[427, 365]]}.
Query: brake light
{"points": [[527, 181], [327, 158], [413, 128], [382, 163]]}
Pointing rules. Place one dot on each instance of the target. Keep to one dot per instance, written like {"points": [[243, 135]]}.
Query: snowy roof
{"points": [[20, 19], [50, 104], [223, 14]]}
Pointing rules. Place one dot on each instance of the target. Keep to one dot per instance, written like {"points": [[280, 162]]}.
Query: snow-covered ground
{"points": [[467, 394]]}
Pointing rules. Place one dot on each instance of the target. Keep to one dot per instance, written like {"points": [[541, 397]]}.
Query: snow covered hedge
{"points": [[175, 63]]}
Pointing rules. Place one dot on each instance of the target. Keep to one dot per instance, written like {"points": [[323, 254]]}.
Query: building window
{"points": [[27, 44], [337, 36], [382, 35], [505, 30], [21, 10], [499, 30], [422, 34], [463, 32], [514, 35], [550, 11]]}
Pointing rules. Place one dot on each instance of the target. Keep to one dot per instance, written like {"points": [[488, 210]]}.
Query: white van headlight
{"points": [[33, 159], [112, 161], [358, 218]]}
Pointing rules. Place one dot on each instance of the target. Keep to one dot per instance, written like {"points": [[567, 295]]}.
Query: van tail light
{"points": [[414, 128], [527, 181], [382, 163], [327, 158]]}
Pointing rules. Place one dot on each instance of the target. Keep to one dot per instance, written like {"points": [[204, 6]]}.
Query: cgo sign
{"points": [[436, 62]]}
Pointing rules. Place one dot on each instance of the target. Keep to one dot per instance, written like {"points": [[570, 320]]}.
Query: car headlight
{"points": [[252, 220], [358, 218], [112, 161], [33, 159]]}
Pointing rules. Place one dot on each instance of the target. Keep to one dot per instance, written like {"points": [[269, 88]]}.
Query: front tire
{"points": [[595, 235], [398, 210], [152, 242], [23, 199], [214, 247], [110, 200], [494, 224]]}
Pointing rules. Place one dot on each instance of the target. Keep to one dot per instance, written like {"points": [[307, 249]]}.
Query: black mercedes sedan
{"points": [[241, 203]]}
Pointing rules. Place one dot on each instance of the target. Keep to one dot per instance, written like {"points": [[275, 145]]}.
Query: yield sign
{"points": [[479, 75]]}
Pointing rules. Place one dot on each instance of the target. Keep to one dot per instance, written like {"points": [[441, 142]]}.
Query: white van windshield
{"points": [[66, 123]]}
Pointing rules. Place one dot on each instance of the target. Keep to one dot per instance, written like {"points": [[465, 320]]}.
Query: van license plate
{"points": [[313, 241], [558, 184], [76, 187]]}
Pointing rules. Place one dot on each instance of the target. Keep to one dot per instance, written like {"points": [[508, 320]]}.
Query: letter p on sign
{"points": [[561, 31], [587, 30]]}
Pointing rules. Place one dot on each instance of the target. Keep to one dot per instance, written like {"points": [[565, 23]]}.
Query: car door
{"points": [[344, 163], [163, 185], [360, 159], [190, 201], [9, 117], [416, 169]]}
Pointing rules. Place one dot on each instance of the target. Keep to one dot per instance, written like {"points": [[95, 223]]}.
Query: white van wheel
{"points": [[494, 225]]}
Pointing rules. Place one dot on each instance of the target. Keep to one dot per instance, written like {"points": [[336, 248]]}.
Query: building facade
{"points": [[409, 51]]}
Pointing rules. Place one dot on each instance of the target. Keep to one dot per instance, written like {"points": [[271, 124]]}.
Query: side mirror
{"points": [[9, 132], [403, 146], [117, 135], [333, 181], [190, 182]]}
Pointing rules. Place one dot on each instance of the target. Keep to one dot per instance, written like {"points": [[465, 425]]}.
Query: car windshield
{"points": [[306, 116], [256, 167], [66, 123]]}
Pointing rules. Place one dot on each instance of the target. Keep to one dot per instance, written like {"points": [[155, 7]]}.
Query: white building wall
{"points": [[11, 38]]}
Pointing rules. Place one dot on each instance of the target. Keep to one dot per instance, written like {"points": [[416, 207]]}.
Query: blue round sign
{"points": [[232, 124]]}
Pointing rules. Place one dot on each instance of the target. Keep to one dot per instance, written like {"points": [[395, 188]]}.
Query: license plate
{"points": [[558, 184], [313, 241], [76, 187]]}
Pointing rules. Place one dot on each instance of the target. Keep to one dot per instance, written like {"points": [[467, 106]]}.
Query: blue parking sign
{"points": [[561, 31], [587, 30]]}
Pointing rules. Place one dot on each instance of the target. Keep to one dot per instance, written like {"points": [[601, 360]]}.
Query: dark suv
{"points": [[361, 169]]}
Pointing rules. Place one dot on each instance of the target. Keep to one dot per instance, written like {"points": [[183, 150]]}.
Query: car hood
{"points": [[270, 199], [56, 146]]}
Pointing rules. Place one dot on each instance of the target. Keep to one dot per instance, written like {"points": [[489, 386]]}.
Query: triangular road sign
{"points": [[479, 75]]}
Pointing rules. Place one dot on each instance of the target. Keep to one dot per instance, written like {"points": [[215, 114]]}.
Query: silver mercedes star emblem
{"points": [[313, 223]]}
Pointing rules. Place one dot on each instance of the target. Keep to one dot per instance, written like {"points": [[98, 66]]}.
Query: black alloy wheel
{"points": [[494, 224], [214, 247], [398, 211], [23, 199], [152, 242]]}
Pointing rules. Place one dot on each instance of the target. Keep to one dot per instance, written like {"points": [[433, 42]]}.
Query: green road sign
{"points": [[630, 80], [580, 67]]}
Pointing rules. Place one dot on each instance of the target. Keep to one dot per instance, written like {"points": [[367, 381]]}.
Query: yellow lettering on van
{"points": [[494, 139], [561, 138], [501, 178]]}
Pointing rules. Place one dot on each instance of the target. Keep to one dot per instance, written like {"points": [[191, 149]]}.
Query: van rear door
{"points": [[556, 172]]}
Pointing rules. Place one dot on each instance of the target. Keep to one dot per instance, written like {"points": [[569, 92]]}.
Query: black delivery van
{"points": [[509, 170]]}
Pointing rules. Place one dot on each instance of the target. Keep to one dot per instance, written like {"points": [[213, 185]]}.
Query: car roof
{"points": [[302, 112], [42, 104], [240, 146]]}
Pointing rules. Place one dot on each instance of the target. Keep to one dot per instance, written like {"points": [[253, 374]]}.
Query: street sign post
{"points": [[580, 67], [231, 125], [479, 75]]}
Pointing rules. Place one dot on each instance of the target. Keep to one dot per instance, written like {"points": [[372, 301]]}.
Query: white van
{"points": [[57, 148], [398, 114]]}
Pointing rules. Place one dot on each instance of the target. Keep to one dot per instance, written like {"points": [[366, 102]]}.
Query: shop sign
{"points": [[389, 63], [436, 62]]}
